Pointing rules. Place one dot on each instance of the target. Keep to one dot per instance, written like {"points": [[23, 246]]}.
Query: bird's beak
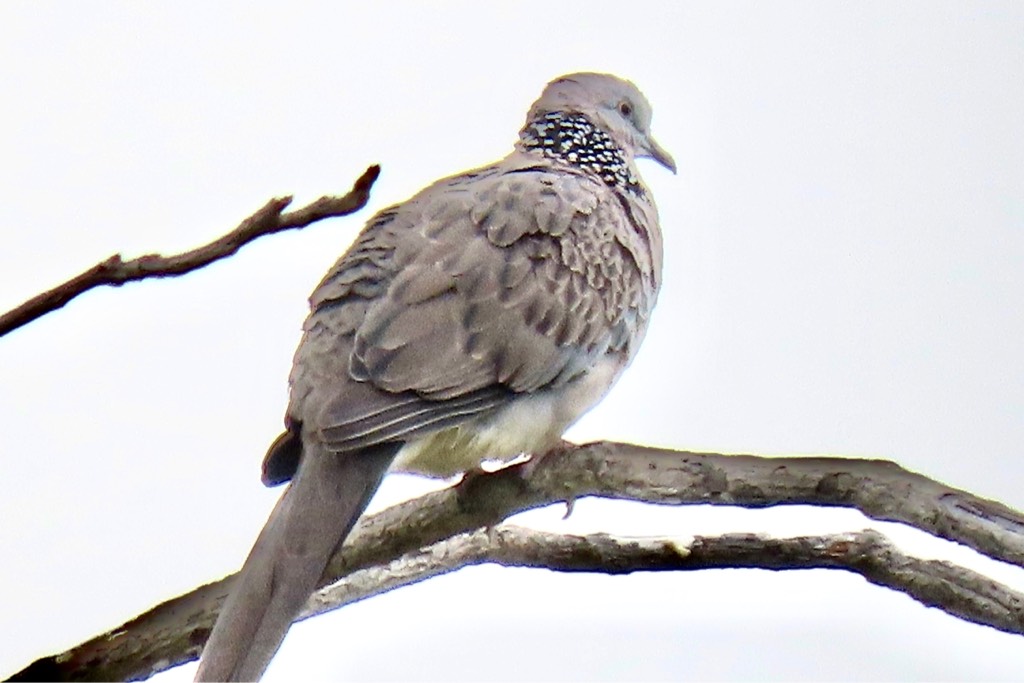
{"points": [[660, 154]]}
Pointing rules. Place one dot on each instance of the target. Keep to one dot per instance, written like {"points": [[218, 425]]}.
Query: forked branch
{"points": [[402, 544]]}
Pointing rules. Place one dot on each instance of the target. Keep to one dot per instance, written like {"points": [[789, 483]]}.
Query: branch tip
{"points": [[366, 181]]}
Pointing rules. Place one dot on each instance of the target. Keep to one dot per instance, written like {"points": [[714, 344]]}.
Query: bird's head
{"points": [[615, 105]]}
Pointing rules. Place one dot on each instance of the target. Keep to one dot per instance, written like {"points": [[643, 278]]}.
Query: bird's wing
{"points": [[484, 286]]}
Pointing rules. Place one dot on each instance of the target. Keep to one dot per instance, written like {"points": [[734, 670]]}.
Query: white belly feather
{"points": [[531, 423]]}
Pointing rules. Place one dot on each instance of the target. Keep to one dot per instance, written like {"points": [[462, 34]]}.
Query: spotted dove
{"points": [[477, 320]]}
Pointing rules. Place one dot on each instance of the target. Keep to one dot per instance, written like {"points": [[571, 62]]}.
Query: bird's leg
{"points": [[535, 460]]}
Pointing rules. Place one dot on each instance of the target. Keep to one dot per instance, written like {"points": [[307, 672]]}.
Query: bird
{"points": [[475, 321]]}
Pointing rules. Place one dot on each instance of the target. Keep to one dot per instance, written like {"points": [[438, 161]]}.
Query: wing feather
{"points": [[480, 287]]}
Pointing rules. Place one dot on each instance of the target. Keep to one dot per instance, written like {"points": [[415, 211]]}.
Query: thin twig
{"points": [[114, 271]]}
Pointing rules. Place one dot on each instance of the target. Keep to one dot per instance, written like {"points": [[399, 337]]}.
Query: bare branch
{"points": [[115, 272], [961, 592], [174, 632], [880, 489]]}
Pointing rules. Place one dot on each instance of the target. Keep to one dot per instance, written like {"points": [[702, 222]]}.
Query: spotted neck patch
{"points": [[572, 138]]}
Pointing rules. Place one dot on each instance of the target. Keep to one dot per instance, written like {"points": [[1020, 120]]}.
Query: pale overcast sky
{"points": [[844, 275]]}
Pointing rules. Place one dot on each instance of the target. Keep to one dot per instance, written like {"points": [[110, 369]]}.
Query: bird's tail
{"points": [[310, 521]]}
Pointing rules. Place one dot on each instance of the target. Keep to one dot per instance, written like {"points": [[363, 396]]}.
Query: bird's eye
{"points": [[626, 109]]}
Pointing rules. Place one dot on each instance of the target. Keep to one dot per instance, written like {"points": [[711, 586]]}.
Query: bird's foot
{"points": [[536, 459]]}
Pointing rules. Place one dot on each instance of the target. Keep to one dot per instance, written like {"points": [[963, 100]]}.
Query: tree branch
{"points": [[953, 589], [174, 632], [115, 272]]}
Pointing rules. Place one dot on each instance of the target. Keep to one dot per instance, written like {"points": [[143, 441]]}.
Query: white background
{"points": [[844, 275]]}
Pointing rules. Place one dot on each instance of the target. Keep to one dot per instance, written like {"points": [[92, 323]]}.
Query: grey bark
{"points": [[173, 633]]}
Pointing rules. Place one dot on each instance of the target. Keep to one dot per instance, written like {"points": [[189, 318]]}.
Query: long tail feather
{"points": [[310, 521]]}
